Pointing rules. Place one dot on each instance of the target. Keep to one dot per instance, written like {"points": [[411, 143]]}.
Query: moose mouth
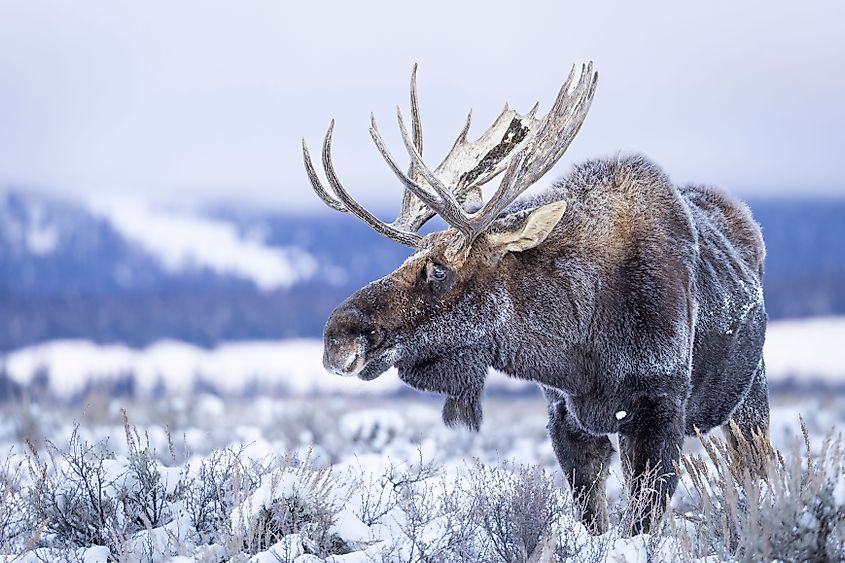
{"points": [[357, 364], [374, 368]]}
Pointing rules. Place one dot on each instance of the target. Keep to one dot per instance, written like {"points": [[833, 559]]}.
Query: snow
{"points": [[839, 491], [41, 239], [33, 232], [163, 541], [350, 528], [808, 349], [182, 241], [97, 554], [803, 348], [354, 472], [296, 365], [287, 549]]}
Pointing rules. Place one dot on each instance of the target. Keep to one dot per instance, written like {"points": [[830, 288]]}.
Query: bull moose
{"points": [[635, 304]]}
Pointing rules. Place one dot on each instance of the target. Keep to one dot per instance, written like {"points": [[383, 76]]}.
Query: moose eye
{"points": [[438, 272], [438, 278]]}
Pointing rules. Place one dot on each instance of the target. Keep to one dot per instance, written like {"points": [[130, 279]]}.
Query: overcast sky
{"points": [[206, 101]]}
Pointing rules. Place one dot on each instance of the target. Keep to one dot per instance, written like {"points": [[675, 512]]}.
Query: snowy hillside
{"points": [[183, 241], [124, 270], [125, 242]]}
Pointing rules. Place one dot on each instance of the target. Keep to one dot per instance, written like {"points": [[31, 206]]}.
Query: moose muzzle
{"points": [[346, 341]]}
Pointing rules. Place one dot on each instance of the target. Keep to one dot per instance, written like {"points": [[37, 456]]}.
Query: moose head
{"points": [[438, 317]]}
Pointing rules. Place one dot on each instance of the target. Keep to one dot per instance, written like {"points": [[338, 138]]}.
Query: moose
{"points": [[635, 304]]}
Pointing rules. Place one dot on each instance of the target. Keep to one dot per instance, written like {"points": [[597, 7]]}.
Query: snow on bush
{"points": [[297, 507], [420, 498]]}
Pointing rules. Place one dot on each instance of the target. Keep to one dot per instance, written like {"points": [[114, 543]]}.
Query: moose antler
{"points": [[538, 150], [521, 145], [467, 166], [347, 203]]}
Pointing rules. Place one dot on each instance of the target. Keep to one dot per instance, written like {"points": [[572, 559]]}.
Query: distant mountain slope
{"points": [[805, 261], [125, 272]]}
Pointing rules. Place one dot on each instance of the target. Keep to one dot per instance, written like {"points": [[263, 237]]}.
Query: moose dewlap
{"points": [[635, 304]]}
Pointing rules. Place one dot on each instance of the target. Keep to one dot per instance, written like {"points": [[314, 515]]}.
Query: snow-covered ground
{"points": [[289, 463], [802, 351], [383, 477]]}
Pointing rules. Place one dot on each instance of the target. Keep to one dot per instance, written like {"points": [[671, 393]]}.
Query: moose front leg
{"points": [[585, 460], [460, 377], [650, 440]]}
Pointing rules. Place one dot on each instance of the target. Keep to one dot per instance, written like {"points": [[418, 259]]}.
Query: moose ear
{"points": [[525, 229]]}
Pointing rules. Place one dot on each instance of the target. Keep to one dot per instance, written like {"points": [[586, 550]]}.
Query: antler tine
{"points": [[413, 214], [416, 123], [347, 203], [577, 108], [462, 136], [425, 196], [562, 99], [317, 185], [449, 208]]}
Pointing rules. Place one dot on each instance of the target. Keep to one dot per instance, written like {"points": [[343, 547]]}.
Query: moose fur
{"points": [[639, 311]]}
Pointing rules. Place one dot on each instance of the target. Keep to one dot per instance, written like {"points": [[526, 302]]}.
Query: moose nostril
{"points": [[350, 319], [344, 356]]}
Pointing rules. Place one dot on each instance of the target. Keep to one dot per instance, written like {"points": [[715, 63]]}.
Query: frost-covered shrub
{"points": [[427, 516], [518, 507], [377, 494], [75, 495], [789, 509], [219, 483], [84, 495], [294, 499], [147, 489], [16, 527]]}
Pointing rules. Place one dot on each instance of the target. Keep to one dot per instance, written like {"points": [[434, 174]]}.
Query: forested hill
{"points": [[129, 273]]}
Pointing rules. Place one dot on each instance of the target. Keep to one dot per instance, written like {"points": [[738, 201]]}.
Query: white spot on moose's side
{"points": [[621, 414]]}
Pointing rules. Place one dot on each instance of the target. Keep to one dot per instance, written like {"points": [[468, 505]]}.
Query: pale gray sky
{"points": [[206, 101]]}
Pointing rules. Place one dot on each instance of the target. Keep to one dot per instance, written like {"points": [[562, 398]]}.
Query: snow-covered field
{"points": [[348, 479], [284, 462], [801, 351]]}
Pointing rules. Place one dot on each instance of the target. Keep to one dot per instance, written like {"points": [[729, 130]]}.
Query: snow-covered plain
{"points": [[364, 474], [379, 467], [802, 351]]}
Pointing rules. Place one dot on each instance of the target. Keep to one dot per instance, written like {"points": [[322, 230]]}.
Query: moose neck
{"points": [[550, 321]]}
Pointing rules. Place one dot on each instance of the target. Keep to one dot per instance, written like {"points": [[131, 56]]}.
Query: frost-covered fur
{"points": [[640, 314]]}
